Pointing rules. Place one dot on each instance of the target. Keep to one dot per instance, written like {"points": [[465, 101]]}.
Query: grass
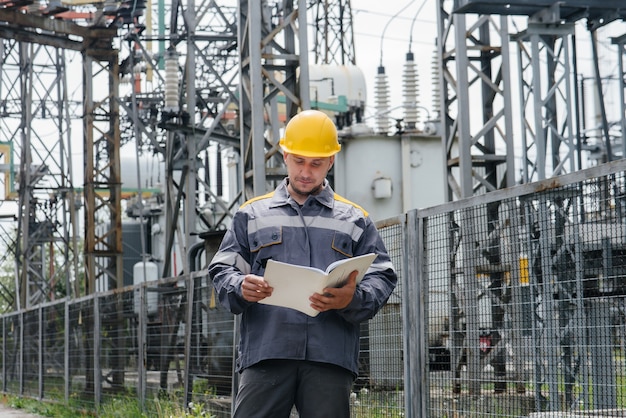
{"points": [[44, 409], [366, 404], [122, 407]]}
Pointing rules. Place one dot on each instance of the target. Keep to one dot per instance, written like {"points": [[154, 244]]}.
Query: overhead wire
{"points": [[413, 23], [382, 35]]}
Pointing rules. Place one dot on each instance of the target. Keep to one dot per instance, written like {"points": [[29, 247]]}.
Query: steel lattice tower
{"points": [[474, 57], [231, 96], [334, 34]]}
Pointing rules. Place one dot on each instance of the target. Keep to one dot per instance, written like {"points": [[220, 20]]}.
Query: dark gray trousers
{"points": [[271, 388]]}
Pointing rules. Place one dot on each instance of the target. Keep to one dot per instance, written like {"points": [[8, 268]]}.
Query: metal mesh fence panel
{"points": [[81, 365], [212, 354], [12, 353], [168, 344], [31, 352], [3, 341], [54, 354], [379, 388], [526, 302], [116, 357], [187, 347]]}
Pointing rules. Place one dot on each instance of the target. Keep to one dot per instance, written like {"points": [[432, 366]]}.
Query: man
{"points": [[285, 357]]}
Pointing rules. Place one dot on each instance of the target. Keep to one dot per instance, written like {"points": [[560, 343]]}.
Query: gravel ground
{"points": [[8, 412]]}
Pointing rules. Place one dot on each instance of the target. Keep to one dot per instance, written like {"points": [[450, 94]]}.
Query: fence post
{"points": [[20, 360], [4, 354], [40, 351], [66, 350], [413, 317], [469, 298], [97, 381], [141, 345], [188, 328]]}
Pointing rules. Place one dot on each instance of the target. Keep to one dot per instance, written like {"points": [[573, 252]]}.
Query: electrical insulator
{"points": [[381, 96], [171, 81], [410, 105], [436, 88]]}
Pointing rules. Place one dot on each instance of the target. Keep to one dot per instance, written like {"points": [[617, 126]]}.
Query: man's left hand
{"points": [[335, 297]]}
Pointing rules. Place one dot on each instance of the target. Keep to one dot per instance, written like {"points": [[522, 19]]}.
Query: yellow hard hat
{"points": [[311, 133]]}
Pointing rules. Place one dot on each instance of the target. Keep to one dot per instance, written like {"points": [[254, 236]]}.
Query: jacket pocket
{"points": [[265, 238], [342, 243]]}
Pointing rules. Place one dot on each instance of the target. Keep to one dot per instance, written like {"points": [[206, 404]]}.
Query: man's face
{"points": [[306, 174]]}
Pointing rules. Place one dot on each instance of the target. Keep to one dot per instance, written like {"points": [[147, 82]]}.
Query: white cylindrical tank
{"points": [[389, 175], [327, 82], [144, 272], [151, 173]]}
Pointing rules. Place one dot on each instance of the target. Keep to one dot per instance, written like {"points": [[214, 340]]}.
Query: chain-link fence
{"points": [[509, 304], [135, 344], [526, 299]]}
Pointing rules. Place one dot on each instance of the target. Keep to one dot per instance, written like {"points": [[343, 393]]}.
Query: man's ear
{"points": [[332, 161]]}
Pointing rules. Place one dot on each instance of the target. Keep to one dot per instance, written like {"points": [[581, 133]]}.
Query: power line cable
{"points": [[413, 23], [382, 36]]}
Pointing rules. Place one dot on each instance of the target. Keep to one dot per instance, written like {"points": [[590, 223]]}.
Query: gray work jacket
{"points": [[325, 229]]}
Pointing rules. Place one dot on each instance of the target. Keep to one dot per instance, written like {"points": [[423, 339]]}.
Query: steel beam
{"points": [[477, 138]]}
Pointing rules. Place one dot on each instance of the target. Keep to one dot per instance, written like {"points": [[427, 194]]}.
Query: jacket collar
{"points": [[281, 195]]}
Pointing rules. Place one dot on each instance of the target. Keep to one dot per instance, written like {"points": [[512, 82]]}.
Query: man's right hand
{"points": [[254, 288]]}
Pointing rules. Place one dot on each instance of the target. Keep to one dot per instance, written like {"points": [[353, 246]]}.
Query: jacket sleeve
{"points": [[377, 284], [230, 264]]}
